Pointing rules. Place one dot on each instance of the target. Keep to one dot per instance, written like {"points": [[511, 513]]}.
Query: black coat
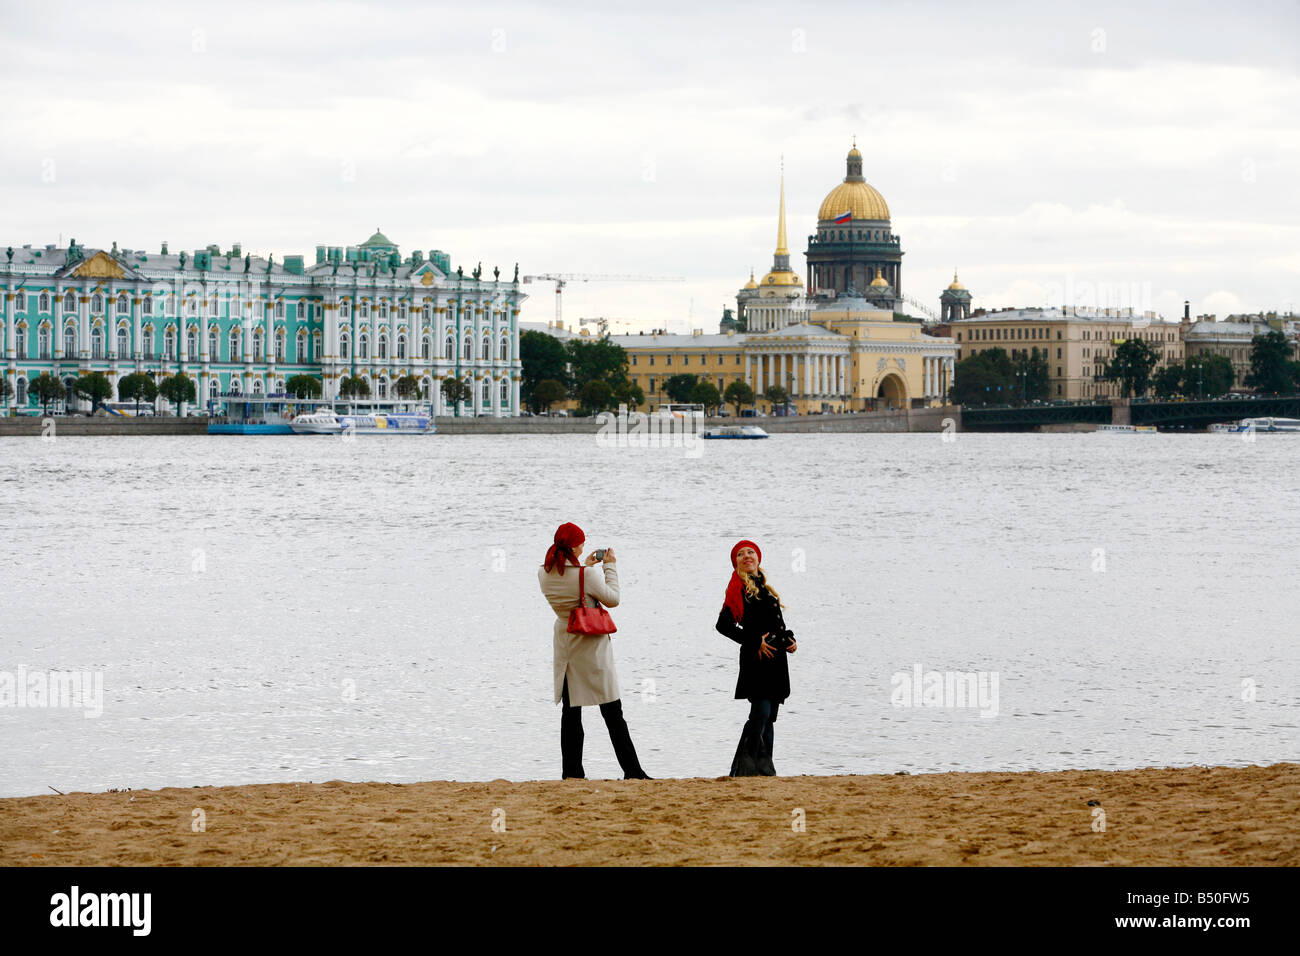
{"points": [[760, 678]]}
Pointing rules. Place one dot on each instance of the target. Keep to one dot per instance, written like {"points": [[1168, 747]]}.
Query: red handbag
{"points": [[589, 620]]}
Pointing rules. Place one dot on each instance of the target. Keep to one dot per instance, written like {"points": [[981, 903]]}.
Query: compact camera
{"points": [[599, 555]]}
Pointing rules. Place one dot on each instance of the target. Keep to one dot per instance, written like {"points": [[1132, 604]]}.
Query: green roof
{"points": [[378, 239]]}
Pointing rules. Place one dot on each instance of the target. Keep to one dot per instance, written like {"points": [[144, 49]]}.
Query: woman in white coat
{"points": [[584, 663]]}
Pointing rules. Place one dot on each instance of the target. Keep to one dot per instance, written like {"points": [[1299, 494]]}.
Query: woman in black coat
{"points": [[751, 616]]}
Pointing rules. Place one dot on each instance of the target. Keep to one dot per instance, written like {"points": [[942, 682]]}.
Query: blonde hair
{"points": [[751, 586]]}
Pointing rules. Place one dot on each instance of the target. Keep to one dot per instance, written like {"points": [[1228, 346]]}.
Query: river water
{"points": [[291, 608]]}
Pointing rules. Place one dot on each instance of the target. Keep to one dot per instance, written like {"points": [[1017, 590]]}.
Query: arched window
{"points": [[123, 343], [146, 306], [96, 303], [213, 310], [383, 388], [44, 303], [70, 302], [425, 385], [21, 391], [20, 302], [344, 308], [505, 393], [401, 348], [20, 342], [383, 310], [487, 394], [169, 343], [467, 348], [426, 348], [43, 342], [258, 339], [214, 345], [449, 349], [505, 348], [214, 389], [364, 310], [486, 353], [257, 386], [97, 343], [146, 341], [123, 304], [279, 344], [192, 342], [235, 342], [401, 312], [315, 347], [69, 342], [428, 312], [300, 347], [279, 309], [382, 352], [363, 347], [343, 347], [191, 306]]}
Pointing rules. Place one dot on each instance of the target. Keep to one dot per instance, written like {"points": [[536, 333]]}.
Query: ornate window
{"points": [[449, 348], [401, 348], [505, 349], [425, 385], [343, 347], [191, 305], [20, 302], [123, 343], [505, 393], [363, 347], [214, 390], [315, 347], [304, 311], [146, 306], [426, 348], [44, 302], [300, 347], [123, 304], [486, 394], [169, 343], [192, 342], [258, 340], [401, 312], [279, 344], [214, 345], [383, 310], [383, 388], [212, 307], [344, 308], [428, 312], [97, 343], [43, 342], [279, 308], [146, 344], [382, 352], [364, 312], [70, 301], [69, 342], [468, 348], [235, 341], [96, 303], [486, 354]]}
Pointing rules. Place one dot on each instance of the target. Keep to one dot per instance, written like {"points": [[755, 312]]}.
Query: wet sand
{"points": [[1181, 817]]}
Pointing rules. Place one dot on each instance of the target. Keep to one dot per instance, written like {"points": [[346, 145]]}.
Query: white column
{"points": [[749, 370], [514, 396], [806, 358], [784, 377]]}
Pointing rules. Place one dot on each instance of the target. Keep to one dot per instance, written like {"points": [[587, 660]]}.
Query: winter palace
{"points": [[240, 324]]}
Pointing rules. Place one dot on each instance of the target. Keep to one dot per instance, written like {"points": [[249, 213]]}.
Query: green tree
{"points": [[95, 388], [455, 391], [1031, 376], [738, 393], [303, 386], [5, 387], [1272, 372], [777, 395], [178, 388], [546, 393], [407, 386], [629, 394], [982, 378], [679, 387], [1168, 382], [707, 394], [137, 387], [354, 386], [598, 360], [47, 388], [542, 357], [1204, 375], [1131, 367], [595, 396]]}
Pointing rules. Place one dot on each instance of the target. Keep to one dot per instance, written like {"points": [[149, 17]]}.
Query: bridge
{"points": [[1196, 414]]}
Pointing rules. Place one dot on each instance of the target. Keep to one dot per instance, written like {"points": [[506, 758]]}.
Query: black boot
{"points": [[621, 738], [765, 755]]}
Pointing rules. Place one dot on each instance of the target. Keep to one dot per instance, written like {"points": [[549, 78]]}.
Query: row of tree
{"points": [[97, 388], [993, 376]]}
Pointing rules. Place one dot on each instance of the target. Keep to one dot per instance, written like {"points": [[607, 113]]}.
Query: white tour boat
{"points": [[1127, 429], [366, 418], [1273, 425], [735, 431]]}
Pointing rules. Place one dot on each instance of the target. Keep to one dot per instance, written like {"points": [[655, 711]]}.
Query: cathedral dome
{"points": [[751, 284], [854, 196]]}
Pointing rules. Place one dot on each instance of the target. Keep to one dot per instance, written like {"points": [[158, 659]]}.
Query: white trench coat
{"points": [[588, 659]]}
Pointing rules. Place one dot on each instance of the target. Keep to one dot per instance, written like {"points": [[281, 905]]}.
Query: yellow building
{"points": [[1078, 343]]}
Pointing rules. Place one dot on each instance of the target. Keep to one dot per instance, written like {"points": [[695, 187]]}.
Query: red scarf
{"points": [[567, 537], [735, 599]]}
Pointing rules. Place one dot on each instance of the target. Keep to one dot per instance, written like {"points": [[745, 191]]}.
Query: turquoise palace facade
{"points": [[240, 324]]}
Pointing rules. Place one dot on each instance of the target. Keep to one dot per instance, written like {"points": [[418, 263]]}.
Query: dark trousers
{"points": [[755, 748], [571, 737]]}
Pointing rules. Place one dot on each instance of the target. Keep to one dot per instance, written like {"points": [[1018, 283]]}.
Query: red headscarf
{"points": [[735, 599], [567, 537]]}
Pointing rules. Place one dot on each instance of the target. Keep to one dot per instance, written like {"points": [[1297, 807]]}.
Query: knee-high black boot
{"points": [[621, 738], [744, 764], [571, 737]]}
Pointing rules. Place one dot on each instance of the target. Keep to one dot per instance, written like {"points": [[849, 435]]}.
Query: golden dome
{"points": [[955, 286], [780, 278], [857, 199], [879, 281], [751, 284], [854, 196]]}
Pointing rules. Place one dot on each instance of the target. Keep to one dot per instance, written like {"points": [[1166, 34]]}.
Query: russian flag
{"points": [[843, 217]]}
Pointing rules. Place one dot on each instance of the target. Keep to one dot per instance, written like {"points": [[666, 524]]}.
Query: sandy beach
{"points": [[1180, 817]]}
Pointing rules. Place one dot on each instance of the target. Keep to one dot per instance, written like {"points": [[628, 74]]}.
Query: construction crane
{"points": [[562, 278]]}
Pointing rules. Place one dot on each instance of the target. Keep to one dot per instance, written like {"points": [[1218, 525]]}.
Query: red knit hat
{"points": [[735, 599], [567, 537]]}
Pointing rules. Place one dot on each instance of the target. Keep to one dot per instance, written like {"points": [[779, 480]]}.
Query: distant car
{"points": [[559, 414]]}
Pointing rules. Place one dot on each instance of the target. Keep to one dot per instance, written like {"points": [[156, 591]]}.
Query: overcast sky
{"points": [[1143, 154]]}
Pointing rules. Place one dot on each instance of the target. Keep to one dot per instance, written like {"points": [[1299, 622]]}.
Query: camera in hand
{"points": [[599, 555]]}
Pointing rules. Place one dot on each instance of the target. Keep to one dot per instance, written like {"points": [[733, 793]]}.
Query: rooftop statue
{"points": [[516, 272], [248, 261], [496, 274]]}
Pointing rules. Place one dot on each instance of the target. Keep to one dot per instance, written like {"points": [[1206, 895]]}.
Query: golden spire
{"points": [[781, 250]]}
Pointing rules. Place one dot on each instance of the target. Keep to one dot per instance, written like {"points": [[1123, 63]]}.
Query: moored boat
{"points": [[1127, 429], [1266, 425], [735, 431]]}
